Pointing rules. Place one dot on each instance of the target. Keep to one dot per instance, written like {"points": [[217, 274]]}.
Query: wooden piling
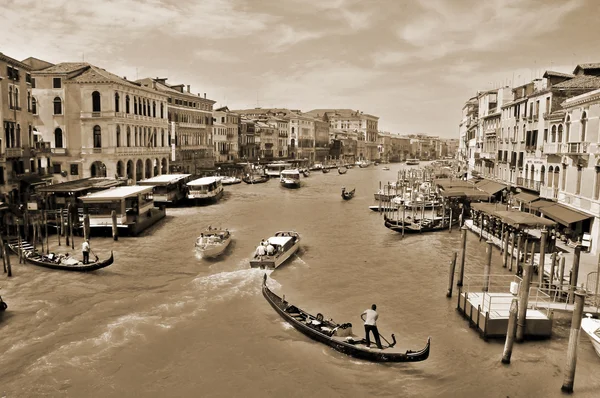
{"points": [[542, 261], [524, 299], [481, 216], [552, 270], [518, 255], [463, 255], [6, 256], [512, 250], [573, 341], [510, 332], [561, 272], [86, 226], [449, 220], [451, 275], [505, 252], [574, 273], [46, 231], [71, 222], [68, 226], [488, 266]]}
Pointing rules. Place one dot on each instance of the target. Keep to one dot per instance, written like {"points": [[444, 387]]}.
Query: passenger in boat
{"points": [[260, 251], [85, 250], [270, 249], [370, 316]]}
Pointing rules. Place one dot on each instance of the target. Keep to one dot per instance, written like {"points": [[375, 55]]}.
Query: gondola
{"points": [[32, 256], [340, 337], [325, 171], [306, 173], [347, 195], [418, 226], [3, 305], [342, 170]]}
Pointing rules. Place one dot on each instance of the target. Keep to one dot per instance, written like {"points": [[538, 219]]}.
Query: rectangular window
{"points": [[28, 77], [33, 82], [74, 169], [56, 169], [57, 82]]}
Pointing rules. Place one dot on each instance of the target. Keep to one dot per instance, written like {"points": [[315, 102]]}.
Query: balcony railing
{"points": [[43, 147], [577, 147], [59, 151], [528, 183], [14, 152], [548, 192], [143, 150]]}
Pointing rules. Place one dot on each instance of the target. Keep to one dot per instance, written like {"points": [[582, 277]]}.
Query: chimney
{"points": [[124, 77], [204, 95], [188, 88]]}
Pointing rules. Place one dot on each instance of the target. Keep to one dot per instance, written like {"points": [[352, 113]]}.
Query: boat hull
{"points": [[411, 228], [290, 184], [213, 251], [269, 262], [589, 326], [338, 343]]}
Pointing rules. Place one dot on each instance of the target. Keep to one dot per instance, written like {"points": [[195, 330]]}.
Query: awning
{"points": [[564, 215], [473, 194], [491, 187], [526, 197], [522, 219], [540, 204]]}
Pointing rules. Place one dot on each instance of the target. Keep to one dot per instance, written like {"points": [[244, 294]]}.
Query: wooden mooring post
{"points": [[573, 341], [68, 225], [518, 255], [463, 255], [552, 270], [561, 273], [542, 262], [86, 226], [507, 235], [574, 273], [510, 332], [451, 275], [46, 231], [488, 266], [512, 250], [524, 299]]}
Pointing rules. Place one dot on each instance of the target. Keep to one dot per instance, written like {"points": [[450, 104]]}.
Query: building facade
{"points": [[190, 121], [225, 135]]}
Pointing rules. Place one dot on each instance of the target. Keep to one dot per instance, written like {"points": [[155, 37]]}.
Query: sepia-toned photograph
{"points": [[290, 198]]}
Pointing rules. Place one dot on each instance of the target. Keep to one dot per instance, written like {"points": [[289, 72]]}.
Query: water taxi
{"points": [[167, 188], [285, 243], [212, 242], [230, 180], [412, 162], [591, 327], [207, 189], [290, 178], [275, 169]]}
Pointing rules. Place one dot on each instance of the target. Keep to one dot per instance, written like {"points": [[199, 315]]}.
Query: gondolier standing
{"points": [[85, 249], [370, 318]]}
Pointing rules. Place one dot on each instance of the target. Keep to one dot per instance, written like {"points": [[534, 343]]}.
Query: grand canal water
{"points": [[163, 322]]}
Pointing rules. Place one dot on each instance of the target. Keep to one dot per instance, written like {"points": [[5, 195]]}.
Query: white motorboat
{"points": [[290, 178], [385, 168], [213, 241], [230, 180], [285, 243], [412, 162], [205, 189], [591, 327]]}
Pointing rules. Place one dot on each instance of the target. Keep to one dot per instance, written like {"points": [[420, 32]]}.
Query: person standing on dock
{"points": [[85, 249], [370, 318]]}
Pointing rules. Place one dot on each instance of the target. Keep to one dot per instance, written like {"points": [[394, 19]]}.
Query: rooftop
{"points": [[81, 185], [579, 82], [164, 179], [65, 67], [117, 193]]}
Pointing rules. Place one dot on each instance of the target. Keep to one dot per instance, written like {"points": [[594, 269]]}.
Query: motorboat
{"points": [[275, 169], [342, 170], [347, 195], [591, 327], [385, 168], [316, 167], [285, 243], [206, 189], [230, 180], [255, 178], [290, 178], [212, 242], [306, 173], [412, 162]]}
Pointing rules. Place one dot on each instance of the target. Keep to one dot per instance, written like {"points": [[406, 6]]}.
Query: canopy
{"points": [[447, 184], [473, 194], [564, 215], [526, 197], [522, 219], [491, 187], [489, 208], [539, 204]]}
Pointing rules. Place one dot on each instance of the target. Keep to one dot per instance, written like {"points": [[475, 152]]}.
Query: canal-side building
{"points": [[22, 163], [321, 139], [266, 139], [99, 124], [283, 135], [247, 140], [225, 135], [190, 118]]}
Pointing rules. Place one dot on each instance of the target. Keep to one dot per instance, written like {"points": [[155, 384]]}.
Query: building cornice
{"points": [[582, 99]]}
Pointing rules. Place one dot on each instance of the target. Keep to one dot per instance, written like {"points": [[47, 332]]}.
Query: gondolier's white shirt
{"points": [[371, 318], [85, 247]]}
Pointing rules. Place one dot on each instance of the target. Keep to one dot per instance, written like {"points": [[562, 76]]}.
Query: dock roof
{"points": [[164, 179], [204, 181], [81, 185], [117, 193]]}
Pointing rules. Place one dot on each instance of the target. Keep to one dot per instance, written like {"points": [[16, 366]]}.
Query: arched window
{"points": [[18, 136], [560, 131], [555, 178], [162, 137], [583, 126], [57, 106], [96, 107], [128, 136], [116, 102], [10, 97], [118, 135], [162, 109], [597, 184], [17, 102], [135, 136], [553, 136], [568, 129], [127, 104], [153, 108], [28, 101], [33, 105], [154, 138], [58, 138], [135, 106], [144, 106], [97, 137]]}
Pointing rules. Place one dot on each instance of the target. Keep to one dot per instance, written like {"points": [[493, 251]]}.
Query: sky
{"points": [[412, 63]]}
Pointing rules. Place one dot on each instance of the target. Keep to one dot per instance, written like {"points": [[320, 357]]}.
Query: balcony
{"points": [[14, 153], [554, 148], [577, 148], [43, 147], [547, 192], [528, 183], [488, 155], [142, 150]]}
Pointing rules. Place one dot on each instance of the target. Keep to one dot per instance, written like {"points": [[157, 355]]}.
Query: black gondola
{"points": [[418, 226], [347, 195], [255, 179], [306, 173], [325, 170], [34, 257], [342, 170], [339, 337], [3, 305]]}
